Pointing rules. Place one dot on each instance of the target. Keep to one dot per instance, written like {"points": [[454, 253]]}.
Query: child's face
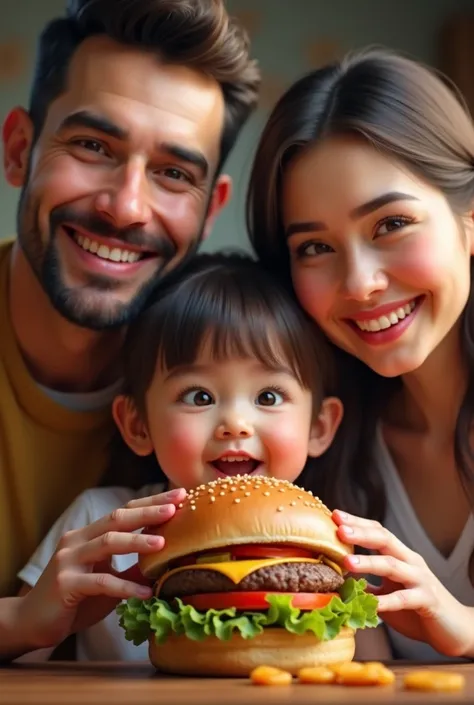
{"points": [[214, 419]]}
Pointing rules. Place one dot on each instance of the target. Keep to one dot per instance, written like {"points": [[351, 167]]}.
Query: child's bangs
{"points": [[229, 321]]}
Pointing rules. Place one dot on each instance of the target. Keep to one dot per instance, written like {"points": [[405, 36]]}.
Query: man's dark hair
{"points": [[195, 33]]}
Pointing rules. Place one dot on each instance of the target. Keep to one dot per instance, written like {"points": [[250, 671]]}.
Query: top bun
{"points": [[241, 510]]}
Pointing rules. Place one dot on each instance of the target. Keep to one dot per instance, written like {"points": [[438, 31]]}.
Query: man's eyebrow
{"points": [[92, 121], [358, 212], [185, 154]]}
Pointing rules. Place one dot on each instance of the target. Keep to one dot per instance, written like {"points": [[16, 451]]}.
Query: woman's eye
{"points": [[197, 397], [269, 398], [392, 224], [313, 249]]}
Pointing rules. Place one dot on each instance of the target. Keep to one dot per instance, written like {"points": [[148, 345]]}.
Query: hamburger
{"points": [[251, 573]]}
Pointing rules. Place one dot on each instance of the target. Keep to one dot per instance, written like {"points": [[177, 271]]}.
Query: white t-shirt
{"points": [[401, 520], [104, 641]]}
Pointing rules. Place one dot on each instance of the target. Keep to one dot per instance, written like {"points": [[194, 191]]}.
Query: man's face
{"points": [[120, 184]]}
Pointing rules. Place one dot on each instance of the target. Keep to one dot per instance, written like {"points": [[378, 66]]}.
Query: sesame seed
{"points": [[193, 506], [233, 489], [221, 494], [266, 494], [280, 509], [180, 505], [212, 498], [292, 504], [282, 489], [246, 494], [236, 500], [210, 490]]}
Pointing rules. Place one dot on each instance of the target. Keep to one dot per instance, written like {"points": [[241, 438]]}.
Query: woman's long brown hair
{"points": [[413, 115]]}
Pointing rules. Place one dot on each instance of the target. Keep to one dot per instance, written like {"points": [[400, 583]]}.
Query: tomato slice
{"points": [[270, 551], [247, 551], [256, 600]]}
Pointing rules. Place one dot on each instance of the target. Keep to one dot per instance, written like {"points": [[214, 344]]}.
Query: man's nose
{"points": [[126, 200]]}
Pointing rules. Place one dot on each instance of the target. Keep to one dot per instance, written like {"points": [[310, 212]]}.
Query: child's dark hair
{"points": [[229, 302]]}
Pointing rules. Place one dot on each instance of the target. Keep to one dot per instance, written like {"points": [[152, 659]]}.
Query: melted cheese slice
{"points": [[238, 570]]}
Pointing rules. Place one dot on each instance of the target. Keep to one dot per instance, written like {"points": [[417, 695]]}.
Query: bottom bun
{"points": [[237, 657]]}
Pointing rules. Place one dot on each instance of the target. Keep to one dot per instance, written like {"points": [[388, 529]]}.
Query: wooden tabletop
{"points": [[138, 684]]}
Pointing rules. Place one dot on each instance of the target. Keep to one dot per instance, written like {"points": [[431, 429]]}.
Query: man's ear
{"points": [[221, 196], [324, 427], [130, 424], [17, 137]]}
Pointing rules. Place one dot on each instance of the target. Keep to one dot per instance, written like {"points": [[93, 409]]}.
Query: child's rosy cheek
{"points": [[184, 437]]}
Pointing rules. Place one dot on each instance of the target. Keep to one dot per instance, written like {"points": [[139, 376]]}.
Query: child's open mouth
{"points": [[236, 464]]}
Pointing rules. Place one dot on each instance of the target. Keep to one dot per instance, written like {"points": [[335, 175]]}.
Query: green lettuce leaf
{"points": [[354, 608]]}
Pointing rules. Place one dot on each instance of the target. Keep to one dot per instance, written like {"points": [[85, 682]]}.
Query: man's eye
{"points": [[91, 145], [175, 174]]}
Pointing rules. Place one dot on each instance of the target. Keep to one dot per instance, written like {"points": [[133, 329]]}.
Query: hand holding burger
{"points": [[251, 571]]}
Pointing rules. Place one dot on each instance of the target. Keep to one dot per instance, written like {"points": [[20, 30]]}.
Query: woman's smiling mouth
{"points": [[385, 324]]}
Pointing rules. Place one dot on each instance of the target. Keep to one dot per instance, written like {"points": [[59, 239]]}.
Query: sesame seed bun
{"points": [[242, 510], [237, 657]]}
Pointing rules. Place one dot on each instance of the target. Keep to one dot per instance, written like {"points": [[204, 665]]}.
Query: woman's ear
{"points": [[131, 425], [324, 427]]}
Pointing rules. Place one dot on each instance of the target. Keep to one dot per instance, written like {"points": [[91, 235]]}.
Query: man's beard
{"points": [[83, 305]]}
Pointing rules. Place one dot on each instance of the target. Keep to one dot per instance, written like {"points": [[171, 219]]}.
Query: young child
{"points": [[223, 375]]}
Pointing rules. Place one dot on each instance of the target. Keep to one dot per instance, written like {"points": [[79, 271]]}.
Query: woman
{"points": [[366, 170]]}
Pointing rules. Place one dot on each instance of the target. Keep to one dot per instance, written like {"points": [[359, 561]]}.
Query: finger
{"points": [[79, 585], [114, 543], [341, 517], [384, 566], [373, 536], [171, 497], [126, 519], [412, 599]]}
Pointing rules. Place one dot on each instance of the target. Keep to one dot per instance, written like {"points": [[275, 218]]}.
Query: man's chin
{"points": [[98, 310]]}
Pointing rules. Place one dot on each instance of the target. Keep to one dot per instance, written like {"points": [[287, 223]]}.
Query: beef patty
{"points": [[285, 577]]}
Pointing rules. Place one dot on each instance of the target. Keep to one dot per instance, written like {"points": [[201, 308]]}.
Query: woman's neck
{"points": [[431, 396]]}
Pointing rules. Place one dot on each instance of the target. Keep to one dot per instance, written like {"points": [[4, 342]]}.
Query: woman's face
{"points": [[378, 259]]}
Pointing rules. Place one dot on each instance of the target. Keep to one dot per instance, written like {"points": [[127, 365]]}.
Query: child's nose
{"points": [[234, 426]]}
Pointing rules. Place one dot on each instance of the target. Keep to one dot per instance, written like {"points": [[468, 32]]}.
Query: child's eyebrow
{"points": [[259, 365], [182, 370]]}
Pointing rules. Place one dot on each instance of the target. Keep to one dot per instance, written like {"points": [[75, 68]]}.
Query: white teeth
{"points": [[114, 254], [390, 319], [234, 458]]}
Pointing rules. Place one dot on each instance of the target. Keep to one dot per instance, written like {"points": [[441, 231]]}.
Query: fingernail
{"points": [[165, 508], [144, 591], [347, 529], [175, 493], [355, 560], [154, 540], [343, 515]]}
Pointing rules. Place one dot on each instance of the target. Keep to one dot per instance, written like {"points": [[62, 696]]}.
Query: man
{"points": [[134, 107]]}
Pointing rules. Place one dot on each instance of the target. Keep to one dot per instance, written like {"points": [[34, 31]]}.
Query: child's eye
{"points": [[270, 397], [197, 397]]}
